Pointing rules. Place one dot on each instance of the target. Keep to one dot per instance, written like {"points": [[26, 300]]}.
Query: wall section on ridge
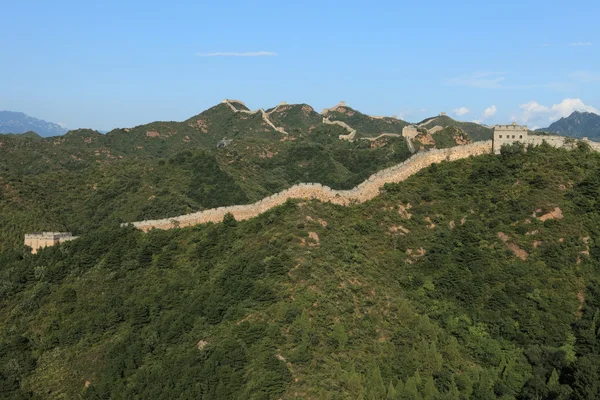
{"points": [[365, 191]]}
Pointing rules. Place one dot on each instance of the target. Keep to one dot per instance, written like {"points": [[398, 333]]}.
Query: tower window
{"points": [[513, 136], [500, 136], [520, 136]]}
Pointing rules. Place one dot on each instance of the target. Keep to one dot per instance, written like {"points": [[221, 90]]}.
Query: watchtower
{"points": [[40, 240], [509, 134], [410, 131]]}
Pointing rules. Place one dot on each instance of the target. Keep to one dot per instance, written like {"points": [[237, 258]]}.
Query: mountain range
{"points": [[578, 124], [18, 122], [293, 117]]}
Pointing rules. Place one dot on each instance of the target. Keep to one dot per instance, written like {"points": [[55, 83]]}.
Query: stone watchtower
{"points": [[509, 134], [410, 131], [40, 240]]}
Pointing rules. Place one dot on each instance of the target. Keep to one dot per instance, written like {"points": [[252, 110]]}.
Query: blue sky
{"points": [[107, 64]]}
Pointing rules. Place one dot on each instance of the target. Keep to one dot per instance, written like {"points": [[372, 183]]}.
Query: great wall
{"points": [[371, 187], [367, 190], [351, 131], [509, 134], [264, 114]]}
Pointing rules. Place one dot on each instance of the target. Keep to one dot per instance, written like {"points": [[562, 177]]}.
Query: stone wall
{"points": [[560, 141], [351, 132], [435, 129], [372, 139], [361, 193], [594, 145], [410, 132], [340, 104], [509, 134], [264, 115], [44, 239]]}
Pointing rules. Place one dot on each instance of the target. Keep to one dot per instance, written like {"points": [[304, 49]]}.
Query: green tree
{"points": [[339, 335], [375, 385]]}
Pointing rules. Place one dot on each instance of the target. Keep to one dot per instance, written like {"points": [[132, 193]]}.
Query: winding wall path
{"points": [[264, 114], [351, 132], [361, 193]]}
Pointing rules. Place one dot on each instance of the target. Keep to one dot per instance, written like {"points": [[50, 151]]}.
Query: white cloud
{"points": [[531, 109], [481, 80], [62, 124], [459, 112], [579, 44], [539, 114], [238, 54], [567, 106], [489, 112]]}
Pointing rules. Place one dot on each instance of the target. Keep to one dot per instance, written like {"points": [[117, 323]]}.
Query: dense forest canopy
{"points": [[472, 279]]}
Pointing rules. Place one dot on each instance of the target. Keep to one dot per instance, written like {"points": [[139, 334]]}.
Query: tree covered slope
{"points": [[472, 279], [84, 179]]}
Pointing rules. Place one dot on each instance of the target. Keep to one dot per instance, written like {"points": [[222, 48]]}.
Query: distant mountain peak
{"points": [[579, 124], [18, 122]]}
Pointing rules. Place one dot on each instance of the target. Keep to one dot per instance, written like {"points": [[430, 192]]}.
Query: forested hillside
{"points": [[79, 183], [84, 179], [472, 279]]}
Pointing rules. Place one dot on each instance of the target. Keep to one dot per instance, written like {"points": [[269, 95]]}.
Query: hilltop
{"points": [[18, 122], [471, 279], [365, 125], [474, 131], [578, 124]]}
